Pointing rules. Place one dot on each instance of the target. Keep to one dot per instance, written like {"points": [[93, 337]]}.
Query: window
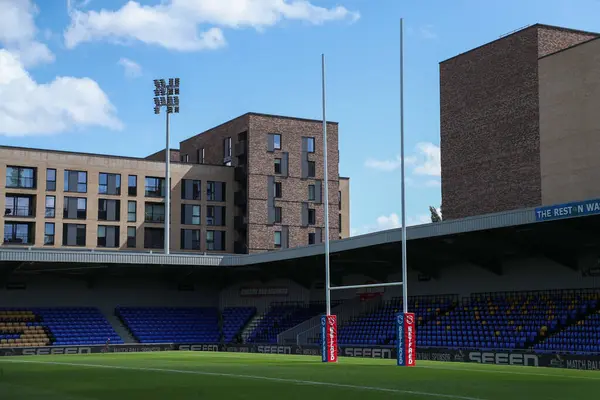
{"points": [[190, 214], [154, 238], [131, 237], [109, 184], [215, 240], [277, 238], [310, 144], [340, 223], [311, 169], [226, 148], [155, 212], [109, 210], [277, 215], [75, 208], [185, 158], [278, 190], [50, 180], [73, 235], [18, 233], [311, 238], [75, 181], [132, 185], [19, 206], [155, 187], [311, 192], [311, 216], [278, 165], [215, 215], [215, 191], [131, 211], [49, 234], [20, 177], [200, 155], [190, 189], [190, 239], [277, 141], [108, 236], [50, 207]]}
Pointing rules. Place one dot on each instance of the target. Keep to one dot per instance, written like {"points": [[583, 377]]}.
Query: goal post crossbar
{"points": [[369, 285]]}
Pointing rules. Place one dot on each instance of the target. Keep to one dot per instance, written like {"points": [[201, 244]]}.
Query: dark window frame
{"points": [[50, 212], [131, 240], [312, 196], [278, 190], [311, 169], [13, 209], [309, 140], [150, 216], [131, 190], [81, 214], [49, 238], [50, 183], [22, 182], [278, 215], [277, 166], [14, 233], [312, 216], [78, 238], [105, 184], [312, 238], [197, 241], [275, 146], [276, 235], [154, 187], [130, 213], [103, 210]]}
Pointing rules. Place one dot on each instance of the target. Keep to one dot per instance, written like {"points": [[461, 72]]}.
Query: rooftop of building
{"points": [[519, 31], [249, 114]]}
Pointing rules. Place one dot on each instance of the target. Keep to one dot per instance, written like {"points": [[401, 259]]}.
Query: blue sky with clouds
{"points": [[77, 75]]}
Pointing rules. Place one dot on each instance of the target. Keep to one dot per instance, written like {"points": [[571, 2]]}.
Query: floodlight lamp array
{"points": [[166, 95]]}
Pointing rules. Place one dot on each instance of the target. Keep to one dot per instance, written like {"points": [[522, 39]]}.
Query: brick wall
{"points": [[294, 188], [489, 112]]}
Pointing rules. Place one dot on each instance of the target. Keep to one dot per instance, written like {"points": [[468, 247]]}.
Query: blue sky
{"points": [[77, 75]]}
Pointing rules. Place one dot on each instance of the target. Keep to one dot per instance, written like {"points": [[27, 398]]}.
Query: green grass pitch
{"points": [[231, 376]]}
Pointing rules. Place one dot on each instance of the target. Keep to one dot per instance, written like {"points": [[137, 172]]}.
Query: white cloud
{"points": [[392, 221], [30, 108], [427, 32], [175, 24], [426, 161], [388, 165], [18, 32], [132, 69]]}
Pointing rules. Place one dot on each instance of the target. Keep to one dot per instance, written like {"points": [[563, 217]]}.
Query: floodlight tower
{"points": [[167, 95]]}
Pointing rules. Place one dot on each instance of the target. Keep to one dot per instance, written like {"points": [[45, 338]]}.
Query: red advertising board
{"points": [[331, 338], [410, 339]]}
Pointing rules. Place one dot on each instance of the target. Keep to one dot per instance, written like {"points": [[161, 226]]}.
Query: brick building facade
{"points": [[279, 174], [490, 122]]}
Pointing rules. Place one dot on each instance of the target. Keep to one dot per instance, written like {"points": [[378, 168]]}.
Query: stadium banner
{"points": [[519, 358], [406, 332], [568, 210], [329, 347]]}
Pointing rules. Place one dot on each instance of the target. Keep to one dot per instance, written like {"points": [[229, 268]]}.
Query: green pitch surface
{"points": [[231, 376]]}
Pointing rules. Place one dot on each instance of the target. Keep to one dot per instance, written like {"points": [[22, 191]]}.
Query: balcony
{"points": [[240, 174], [19, 206], [239, 198], [240, 223], [240, 149]]}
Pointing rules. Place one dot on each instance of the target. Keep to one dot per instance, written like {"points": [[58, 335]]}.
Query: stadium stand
{"points": [[379, 327], [234, 321], [54, 326], [77, 326], [172, 324], [506, 320], [20, 328], [281, 317]]}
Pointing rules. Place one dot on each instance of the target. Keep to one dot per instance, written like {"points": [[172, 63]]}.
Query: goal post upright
{"points": [[405, 321]]}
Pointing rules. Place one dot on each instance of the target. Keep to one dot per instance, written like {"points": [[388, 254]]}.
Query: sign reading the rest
{"points": [[568, 210]]}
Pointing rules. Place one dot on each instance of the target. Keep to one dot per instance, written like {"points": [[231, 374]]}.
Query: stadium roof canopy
{"points": [[558, 232]]}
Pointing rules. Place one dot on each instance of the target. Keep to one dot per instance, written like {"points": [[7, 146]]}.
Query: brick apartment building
{"points": [[519, 122], [232, 189]]}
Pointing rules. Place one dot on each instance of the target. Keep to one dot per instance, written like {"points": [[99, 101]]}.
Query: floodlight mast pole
{"points": [[167, 190], [326, 193], [167, 96], [403, 186]]}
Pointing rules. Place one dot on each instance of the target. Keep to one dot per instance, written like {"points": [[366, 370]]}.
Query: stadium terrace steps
{"points": [[281, 317], [172, 324], [118, 326], [251, 325], [234, 320], [579, 335]]}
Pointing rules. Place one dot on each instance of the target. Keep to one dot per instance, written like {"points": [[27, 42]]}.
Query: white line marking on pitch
{"points": [[496, 371], [256, 377]]}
